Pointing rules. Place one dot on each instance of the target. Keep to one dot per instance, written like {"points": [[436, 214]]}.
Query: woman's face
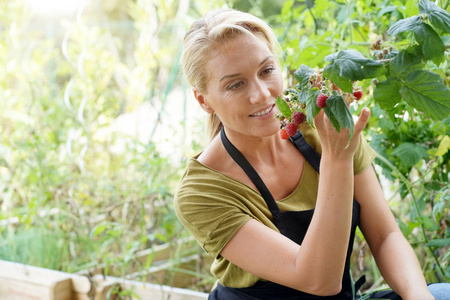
{"points": [[244, 83]]}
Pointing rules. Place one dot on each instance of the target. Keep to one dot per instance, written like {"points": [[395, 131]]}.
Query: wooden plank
{"points": [[19, 281], [149, 291], [23, 282], [11, 289]]}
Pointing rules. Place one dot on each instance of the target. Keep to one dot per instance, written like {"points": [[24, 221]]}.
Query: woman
{"points": [[256, 203]]}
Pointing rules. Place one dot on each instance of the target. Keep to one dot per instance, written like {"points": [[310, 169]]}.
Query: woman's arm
{"points": [[394, 256], [317, 266]]}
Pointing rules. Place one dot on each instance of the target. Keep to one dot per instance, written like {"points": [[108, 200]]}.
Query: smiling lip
{"points": [[264, 112]]}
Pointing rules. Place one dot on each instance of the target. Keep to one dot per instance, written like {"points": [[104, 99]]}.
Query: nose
{"points": [[259, 91]]}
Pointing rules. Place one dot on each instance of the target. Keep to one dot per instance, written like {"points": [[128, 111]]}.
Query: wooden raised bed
{"points": [[23, 282]]}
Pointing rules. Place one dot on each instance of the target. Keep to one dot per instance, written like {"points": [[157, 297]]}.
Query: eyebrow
{"points": [[237, 74]]}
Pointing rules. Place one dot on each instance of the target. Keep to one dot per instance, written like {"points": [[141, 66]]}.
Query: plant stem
{"points": [[350, 28], [410, 187]]}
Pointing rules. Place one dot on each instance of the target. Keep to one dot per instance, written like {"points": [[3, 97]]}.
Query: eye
{"points": [[235, 86], [267, 71]]}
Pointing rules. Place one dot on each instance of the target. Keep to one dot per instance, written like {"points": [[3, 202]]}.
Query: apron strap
{"points": [[251, 173], [360, 282], [308, 152]]}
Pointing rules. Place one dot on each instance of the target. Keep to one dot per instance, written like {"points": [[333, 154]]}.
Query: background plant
{"points": [[81, 189], [412, 147]]}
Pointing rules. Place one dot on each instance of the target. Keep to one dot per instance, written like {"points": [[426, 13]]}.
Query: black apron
{"points": [[292, 224]]}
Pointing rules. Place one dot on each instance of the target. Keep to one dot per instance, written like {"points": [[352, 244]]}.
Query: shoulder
{"points": [[211, 205], [202, 187], [216, 157]]}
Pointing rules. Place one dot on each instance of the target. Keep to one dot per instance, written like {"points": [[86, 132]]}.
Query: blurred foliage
{"points": [[413, 150], [78, 192]]}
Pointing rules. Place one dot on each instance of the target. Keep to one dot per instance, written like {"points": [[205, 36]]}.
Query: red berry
{"points": [[358, 94], [283, 134], [298, 117], [322, 100], [291, 129]]}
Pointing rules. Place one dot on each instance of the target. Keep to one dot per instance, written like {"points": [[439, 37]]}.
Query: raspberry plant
{"points": [[398, 74]]}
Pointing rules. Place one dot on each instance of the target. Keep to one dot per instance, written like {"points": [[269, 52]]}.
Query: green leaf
{"points": [[385, 123], [444, 146], [409, 153], [386, 9], [407, 61], [438, 208], [404, 228], [387, 93], [439, 243], [100, 228], [350, 65], [432, 45], [405, 25], [438, 17], [339, 113], [427, 92], [302, 75], [283, 107], [312, 109]]}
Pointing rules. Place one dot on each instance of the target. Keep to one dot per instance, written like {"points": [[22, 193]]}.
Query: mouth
{"points": [[264, 112]]}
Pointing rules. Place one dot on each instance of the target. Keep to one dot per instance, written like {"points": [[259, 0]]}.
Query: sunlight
{"points": [[54, 7]]}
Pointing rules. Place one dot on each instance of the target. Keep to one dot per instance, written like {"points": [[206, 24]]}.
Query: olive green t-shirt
{"points": [[213, 206]]}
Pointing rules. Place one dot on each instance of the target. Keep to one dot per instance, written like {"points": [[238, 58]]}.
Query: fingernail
{"points": [[365, 112]]}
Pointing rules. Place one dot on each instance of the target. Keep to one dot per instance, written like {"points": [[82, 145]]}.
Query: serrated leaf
{"points": [[311, 107], [409, 153], [438, 17], [387, 93], [350, 65], [283, 107], [302, 75], [339, 113], [402, 25], [432, 45], [427, 92], [439, 243], [407, 61]]}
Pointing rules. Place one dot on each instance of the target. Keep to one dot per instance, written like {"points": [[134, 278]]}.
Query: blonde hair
{"points": [[206, 34]]}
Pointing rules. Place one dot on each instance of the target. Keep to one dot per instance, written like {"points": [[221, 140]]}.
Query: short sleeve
{"points": [[364, 155], [210, 209]]}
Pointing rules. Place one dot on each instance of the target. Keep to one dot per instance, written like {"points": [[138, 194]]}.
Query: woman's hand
{"points": [[336, 143]]}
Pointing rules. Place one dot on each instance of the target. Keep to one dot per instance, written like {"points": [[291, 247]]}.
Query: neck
{"points": [[257, 150]]}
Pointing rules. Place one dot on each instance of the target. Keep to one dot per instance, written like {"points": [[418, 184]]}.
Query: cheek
{"points": [[278, 84]]}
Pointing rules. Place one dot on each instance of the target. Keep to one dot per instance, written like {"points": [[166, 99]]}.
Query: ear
{"points": [[201, 100]]}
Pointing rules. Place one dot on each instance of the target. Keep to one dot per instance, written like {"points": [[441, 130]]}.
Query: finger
{"points": [[362, 121], [318, 119]]}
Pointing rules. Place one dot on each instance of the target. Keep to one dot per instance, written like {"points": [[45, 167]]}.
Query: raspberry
{"points": [[298, 118], [358, 94], [283, 134], [291, 129], [322, 100]]}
